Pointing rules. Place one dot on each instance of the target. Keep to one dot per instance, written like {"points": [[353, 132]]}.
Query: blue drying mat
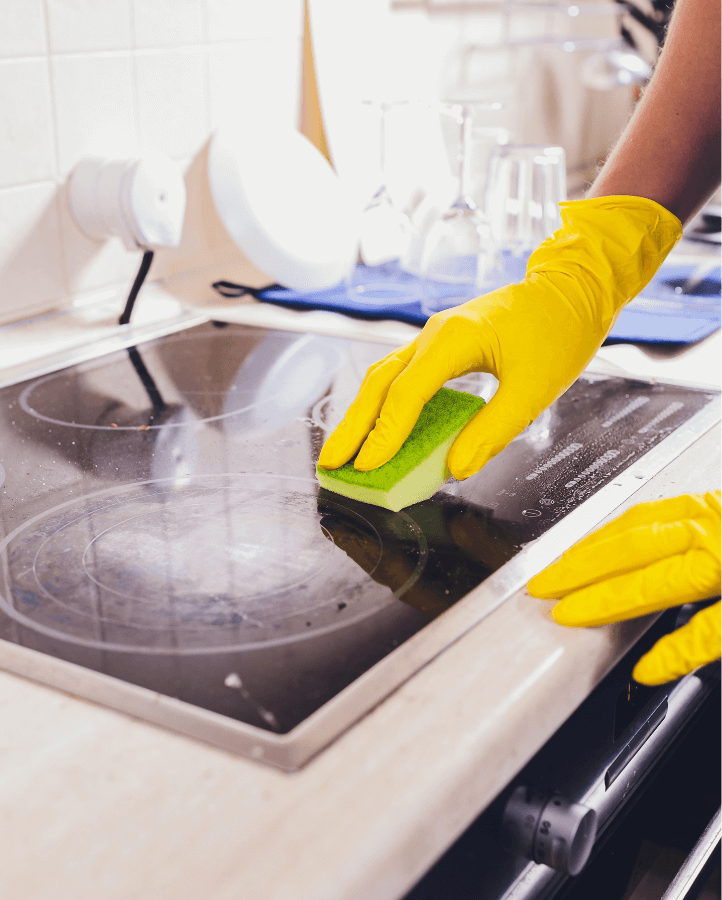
{"points": [[391, 293], [401, 301], [680, 305]]}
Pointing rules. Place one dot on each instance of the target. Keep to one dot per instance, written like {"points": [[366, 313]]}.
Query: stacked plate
{"points": [[283, 204]]}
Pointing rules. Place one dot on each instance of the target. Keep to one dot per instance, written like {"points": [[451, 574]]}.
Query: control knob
{"points": [[547, 828]]}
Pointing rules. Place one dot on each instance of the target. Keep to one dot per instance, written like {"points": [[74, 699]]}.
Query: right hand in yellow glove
{"points": [[535, 337]]}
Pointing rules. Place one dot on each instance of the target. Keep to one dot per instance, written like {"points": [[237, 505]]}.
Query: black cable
{"points": [[137, 284], [230, 289], [159, 404]]}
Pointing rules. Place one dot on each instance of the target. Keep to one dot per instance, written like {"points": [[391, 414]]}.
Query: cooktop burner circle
{"points": [[204, 564], [164, 387], [275, 549]]}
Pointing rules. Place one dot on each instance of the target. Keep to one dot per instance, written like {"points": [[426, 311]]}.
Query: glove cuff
{"points": [[611, 245]]}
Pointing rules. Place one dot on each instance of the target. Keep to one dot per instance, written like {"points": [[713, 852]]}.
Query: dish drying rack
{"points": [[653, 19]]}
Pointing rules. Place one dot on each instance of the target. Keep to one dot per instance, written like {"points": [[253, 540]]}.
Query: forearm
{"points": [[670, 151]]}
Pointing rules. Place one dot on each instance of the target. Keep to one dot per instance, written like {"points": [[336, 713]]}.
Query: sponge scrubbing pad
{"points": [[419, 468]]}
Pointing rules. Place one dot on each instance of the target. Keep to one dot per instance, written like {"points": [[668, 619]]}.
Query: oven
{"points": [[623, 801]]}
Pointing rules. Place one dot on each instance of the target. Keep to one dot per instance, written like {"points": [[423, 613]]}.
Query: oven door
{"points": [[633, 777]]}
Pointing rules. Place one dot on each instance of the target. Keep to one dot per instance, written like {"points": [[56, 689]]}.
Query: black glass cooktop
{"points": [[161, 523]]}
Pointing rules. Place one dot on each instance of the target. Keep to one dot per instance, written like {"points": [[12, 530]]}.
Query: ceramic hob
{"points": [[166, 549]]}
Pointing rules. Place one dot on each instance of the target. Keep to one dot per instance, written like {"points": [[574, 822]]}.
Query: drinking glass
{"points": [[385, 232], [525, 185], [458, 257]]}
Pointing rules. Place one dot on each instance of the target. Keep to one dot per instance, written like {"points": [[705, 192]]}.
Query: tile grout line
{"points": [[21, 185], [62, 246], [51, 87], [134, 77], [205, 45], [207, 118]]}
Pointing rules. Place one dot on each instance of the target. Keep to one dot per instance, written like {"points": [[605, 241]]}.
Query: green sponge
{"points": [[419, 468]]}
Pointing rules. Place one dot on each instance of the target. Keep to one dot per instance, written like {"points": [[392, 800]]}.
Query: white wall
{"points": [[117, 78]]}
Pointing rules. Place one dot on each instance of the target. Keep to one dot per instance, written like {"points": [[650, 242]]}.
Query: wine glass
{"points": [[385, 233], [459, 257]]}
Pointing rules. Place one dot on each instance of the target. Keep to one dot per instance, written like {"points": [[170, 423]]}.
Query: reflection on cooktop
{"points": [[161, 522], [218, 563], [191, 379]]}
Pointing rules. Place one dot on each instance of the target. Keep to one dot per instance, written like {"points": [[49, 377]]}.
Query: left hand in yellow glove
{"points": [[654, 556]]}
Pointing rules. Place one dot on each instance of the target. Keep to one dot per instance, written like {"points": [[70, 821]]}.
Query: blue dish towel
{"points": [[680, 305]]}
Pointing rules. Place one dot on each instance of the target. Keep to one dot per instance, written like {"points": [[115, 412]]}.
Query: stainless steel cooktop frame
{"points": [[290, 751]]}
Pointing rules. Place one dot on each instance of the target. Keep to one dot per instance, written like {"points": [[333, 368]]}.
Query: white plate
{"points": [[283, 204]]}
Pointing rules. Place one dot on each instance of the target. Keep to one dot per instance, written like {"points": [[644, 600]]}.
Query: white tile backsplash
{"points": [[267, 73], [26, 134], [230, 20], [31, 269], [95, 107], [172, 108], [22, 28], [78, 26], [154, 27], [117, 78]]}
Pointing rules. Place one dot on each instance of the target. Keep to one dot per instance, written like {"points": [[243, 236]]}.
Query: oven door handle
{"points": [[691, 878]]}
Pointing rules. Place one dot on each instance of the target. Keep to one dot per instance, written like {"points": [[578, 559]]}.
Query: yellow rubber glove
{"points": [[654, 556], [535, 337]]}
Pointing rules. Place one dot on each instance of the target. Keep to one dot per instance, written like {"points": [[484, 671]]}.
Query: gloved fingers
{"points": [[489, 432], [694, 644], [670, 582], [587, 563], [405, 398], [361, 416], [671, 509]]}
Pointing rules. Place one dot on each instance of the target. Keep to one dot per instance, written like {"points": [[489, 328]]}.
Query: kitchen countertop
{"points": [[95, 804]]}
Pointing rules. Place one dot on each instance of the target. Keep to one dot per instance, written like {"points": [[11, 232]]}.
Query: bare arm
{"points": [[670, 150]]}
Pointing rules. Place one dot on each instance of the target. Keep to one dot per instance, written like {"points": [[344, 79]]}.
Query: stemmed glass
{"points": [[459, 257], [385, 233]]}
